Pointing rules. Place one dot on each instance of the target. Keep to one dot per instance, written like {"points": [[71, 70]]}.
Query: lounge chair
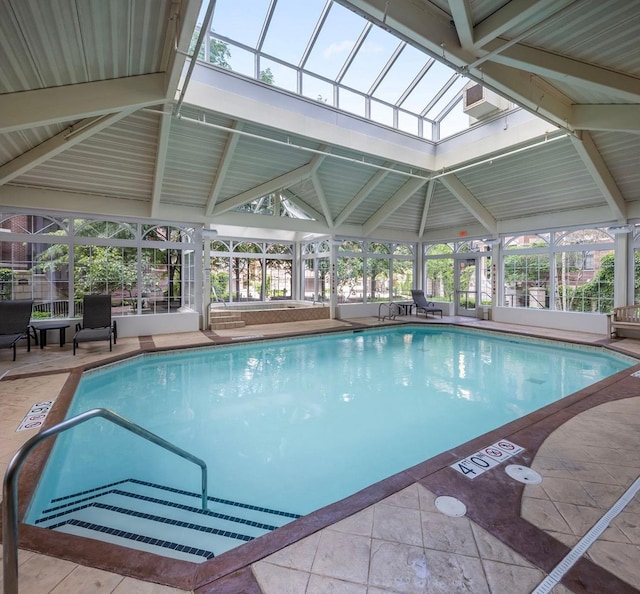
{"points": [[422, 304], [96, 322], [14, 323]]}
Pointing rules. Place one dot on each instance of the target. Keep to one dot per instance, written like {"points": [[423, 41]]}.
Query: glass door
{"points": [[466, 286]]}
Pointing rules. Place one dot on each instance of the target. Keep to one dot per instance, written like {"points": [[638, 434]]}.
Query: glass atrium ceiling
{"points": [[321, 50]]}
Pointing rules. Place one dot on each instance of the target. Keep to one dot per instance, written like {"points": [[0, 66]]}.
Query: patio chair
{"points": [[14, 323], [421, 303], [96, 322]]}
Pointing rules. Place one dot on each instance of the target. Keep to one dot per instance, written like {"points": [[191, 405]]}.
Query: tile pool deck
{"points": [[388, 537]]}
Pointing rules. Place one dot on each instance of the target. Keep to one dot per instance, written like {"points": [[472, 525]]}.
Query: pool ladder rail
{"points": [[10, 483]]}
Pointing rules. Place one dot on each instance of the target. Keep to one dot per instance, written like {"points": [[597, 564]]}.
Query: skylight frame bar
{"points": [[265, 25], [316, 32], [356, 48], [414, 83], [385, 70], [454, 77]]}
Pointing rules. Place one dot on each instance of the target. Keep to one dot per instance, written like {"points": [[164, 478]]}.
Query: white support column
{"points": [[496, 275], [621, 270], [333, 263], [206, 282], [419, 263], [297, 273]]}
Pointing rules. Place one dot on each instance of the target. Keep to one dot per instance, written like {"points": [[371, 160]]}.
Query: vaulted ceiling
{"points": [[88, 123]]}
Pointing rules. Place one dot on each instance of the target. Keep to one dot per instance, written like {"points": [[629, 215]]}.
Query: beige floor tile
{"points": [[567, 491], [319, 584], [444, 533], [629, 524], [397, 524], [622, 559], [591, 472], [581, 519], [507, 579], [299, 555], [490, 548], [399, 567], [342, 556], [41, 574], [409, 497], [274, 579], [604, 495], [360, 523], [86, 580], [544, 515]]}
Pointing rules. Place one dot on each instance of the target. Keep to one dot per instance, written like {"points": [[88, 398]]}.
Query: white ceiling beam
{"points": [[405, 192], [324, 204], [41, 107], [362, 194], [463, 21], [428, 27], [278, 183], [302, 205], [470, 202], [57, 144], [616, 117], [527, 13], [425, 209], [223, 167], [596, 166], [568, 71], [179, 32], [161, 160]]}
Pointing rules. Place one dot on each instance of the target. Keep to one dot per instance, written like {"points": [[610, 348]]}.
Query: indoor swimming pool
{"points": [[287, 426]]}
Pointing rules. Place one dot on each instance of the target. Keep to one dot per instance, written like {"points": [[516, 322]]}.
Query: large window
{"points": [[563, 270], [57, 261], [316, 267], [251, 271], [374, 271]]}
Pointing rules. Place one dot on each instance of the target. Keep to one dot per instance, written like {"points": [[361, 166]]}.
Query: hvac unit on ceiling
{"points": [[479, 102]]}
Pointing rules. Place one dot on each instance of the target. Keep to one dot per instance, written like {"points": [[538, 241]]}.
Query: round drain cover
{"points": [[523, 474], [450, 506]]}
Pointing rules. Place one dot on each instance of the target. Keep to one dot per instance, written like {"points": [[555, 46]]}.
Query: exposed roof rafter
{"points": [[57, 144], [601, 176], [223, 167], [42, 107], [405, 192], [470, 202]]}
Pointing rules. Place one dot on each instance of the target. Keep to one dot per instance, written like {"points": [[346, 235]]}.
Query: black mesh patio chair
{"points": [[422, 304], [15, 317], [96, 322]]}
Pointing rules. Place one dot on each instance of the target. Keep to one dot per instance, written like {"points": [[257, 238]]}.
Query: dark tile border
{"points": [[492, 503]]}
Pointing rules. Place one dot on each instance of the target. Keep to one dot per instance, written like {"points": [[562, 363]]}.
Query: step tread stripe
{"points": [[72, 507], [180, 492], [162, 520], [165, 544]]}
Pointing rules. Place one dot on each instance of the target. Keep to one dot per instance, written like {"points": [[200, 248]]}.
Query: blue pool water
{"points": [[297, 424]]}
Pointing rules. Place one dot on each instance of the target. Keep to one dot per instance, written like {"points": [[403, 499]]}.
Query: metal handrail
{"points": [[10, 483]]}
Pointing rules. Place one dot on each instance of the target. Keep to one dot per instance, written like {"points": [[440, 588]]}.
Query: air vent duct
{"points": [[479, 102]]}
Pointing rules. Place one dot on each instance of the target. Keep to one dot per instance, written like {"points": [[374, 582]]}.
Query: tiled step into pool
{"points": [[166, 521]]}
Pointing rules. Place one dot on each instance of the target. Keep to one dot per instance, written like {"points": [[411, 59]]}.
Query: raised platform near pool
{"points": [[273, 312]]}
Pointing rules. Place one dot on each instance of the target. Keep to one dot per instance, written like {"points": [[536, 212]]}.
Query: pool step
{"points": [[220, 320], [163, 520]]}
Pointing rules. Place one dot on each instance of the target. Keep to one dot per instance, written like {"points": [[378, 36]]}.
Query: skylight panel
{"points": [[435, 111], [283, 76], [318, 89], [243, 25], [400, 75], [370, 59], [291, 26], [428, 87], [335, 41]]}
